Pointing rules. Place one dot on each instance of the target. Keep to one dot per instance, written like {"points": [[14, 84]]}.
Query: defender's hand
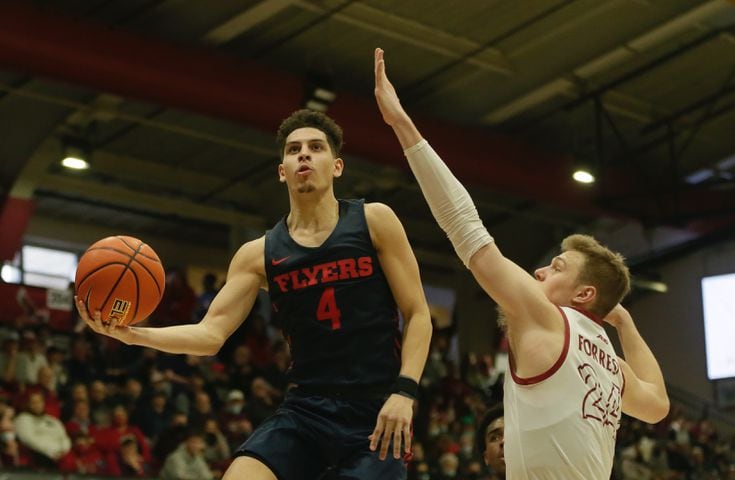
{"points": [[394, 422], [386, 96]]}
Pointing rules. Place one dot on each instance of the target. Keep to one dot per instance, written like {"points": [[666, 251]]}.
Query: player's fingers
{"points": [[81, 308], [397, 441], [375, 436], [377, 62], [407, 437], [385, 440], [113, 324], [380, 75], [97, 319]]}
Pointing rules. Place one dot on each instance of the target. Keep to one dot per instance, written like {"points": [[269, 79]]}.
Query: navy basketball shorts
{"points": [[311, 435]]}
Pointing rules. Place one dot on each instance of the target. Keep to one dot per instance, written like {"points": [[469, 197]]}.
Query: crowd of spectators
{"points": [[679, 447], [83, 403]]}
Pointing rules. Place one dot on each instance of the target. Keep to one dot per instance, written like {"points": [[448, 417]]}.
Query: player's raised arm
{"points": [[228, 309], [516, 291]]}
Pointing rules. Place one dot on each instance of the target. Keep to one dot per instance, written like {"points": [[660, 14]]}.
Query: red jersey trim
{"points": [[590, 315], [622, 390], [556, 366]]}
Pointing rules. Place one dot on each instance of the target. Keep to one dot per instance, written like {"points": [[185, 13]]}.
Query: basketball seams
{"points": [[120, 277], [92, 272], [122, 239], [153, 277], [137, 262], [113, 249], [137, 294], [134, 249], [102, 273]]}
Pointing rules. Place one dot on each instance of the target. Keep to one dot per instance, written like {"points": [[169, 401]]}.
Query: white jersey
{"points": [[561, 425]]}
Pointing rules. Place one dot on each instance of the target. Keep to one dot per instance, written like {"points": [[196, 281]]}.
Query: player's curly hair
{"points": [[494, 412], [309, 118], [603, 269]]}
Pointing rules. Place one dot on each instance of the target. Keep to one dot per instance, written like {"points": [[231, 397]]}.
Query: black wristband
{"points": [[406, 386]]}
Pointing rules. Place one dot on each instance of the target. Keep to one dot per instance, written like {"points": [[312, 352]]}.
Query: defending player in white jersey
{"points": [[567, 386]]}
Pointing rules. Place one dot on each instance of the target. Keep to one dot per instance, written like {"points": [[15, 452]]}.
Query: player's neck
{"points": [[314, 215]]}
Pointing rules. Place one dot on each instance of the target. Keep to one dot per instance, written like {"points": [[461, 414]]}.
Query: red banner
{"points": [[23, 306]]}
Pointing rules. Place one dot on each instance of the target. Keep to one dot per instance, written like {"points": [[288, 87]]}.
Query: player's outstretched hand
{"points": [[385, 94], [394, 423], [94, 321]]}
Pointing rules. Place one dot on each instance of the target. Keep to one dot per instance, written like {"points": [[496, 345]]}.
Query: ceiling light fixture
{"points": [[319, 94], [583, 175], [75, 155]]}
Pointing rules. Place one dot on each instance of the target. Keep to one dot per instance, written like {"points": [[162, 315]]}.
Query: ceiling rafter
{"points": [[565, 86], [418, 35], [244, 21]]}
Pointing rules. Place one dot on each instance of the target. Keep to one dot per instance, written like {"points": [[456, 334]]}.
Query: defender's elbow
{"points": [[660, 411]]}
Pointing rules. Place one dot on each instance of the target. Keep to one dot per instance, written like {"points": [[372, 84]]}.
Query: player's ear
{"points": [[585, 295], [339, 166], [281, 173]]}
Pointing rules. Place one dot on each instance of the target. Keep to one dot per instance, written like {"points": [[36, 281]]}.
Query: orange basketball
{"points": [[122, 277]]}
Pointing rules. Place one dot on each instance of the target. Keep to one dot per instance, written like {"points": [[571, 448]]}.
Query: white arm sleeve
{"points": [[449, 201]]}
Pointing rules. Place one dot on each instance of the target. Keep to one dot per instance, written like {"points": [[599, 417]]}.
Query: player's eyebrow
{"points": [[494, 431], [560, 260], [310, 140]]}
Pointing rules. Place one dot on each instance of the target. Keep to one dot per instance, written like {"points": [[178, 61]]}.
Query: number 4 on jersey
{"points": [[327, 309]]}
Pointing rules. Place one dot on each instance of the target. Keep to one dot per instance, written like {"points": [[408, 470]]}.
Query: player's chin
{"points": [[306, 188]]}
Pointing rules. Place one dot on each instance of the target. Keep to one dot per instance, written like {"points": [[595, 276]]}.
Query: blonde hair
{"points": [[603, 269]]}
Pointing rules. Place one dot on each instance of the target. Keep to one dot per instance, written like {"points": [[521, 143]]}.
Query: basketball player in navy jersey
{"points": [[565, 388], [489, 441], [338, 272]]}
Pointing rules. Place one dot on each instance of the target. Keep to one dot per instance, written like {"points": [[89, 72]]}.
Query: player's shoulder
{"points": [[380, 217], [250, 255], [383, 223], [378, 211]]}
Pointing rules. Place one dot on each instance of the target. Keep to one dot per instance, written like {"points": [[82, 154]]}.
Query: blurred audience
{"points": [[187, 461], [44, 435], [135, 412]]}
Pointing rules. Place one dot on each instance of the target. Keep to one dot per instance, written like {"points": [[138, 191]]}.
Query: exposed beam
{"points": [[211, 83], [233, 88], [90, 189], [95, 109], [417, 35], [246, 20], [564, 84]]}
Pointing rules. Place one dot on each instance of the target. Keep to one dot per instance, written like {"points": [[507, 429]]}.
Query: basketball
{"points": [[122, 277]]}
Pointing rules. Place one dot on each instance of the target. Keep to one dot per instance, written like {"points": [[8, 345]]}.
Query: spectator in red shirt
{"points": [[85, 457], [80, 420], [110, 439]]}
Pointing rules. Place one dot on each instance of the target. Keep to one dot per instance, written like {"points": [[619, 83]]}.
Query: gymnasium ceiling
{"points": [[178, 101]]}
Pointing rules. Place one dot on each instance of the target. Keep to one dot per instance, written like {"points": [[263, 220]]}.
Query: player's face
{"points": [[559, 278], [308, 162], [494, 444]]}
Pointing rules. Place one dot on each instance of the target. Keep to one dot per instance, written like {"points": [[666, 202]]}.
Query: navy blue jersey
{"points": [[334, 304]]}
